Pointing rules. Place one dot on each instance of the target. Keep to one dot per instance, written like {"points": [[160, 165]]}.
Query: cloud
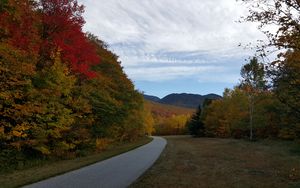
{"points": [[172, 38], [164, 73]]}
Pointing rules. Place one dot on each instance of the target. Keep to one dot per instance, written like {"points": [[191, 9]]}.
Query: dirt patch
{"points": [[208, 162]]}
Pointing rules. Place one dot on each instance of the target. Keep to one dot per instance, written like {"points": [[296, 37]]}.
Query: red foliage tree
{"points": [[18, 25], [62, 23]]}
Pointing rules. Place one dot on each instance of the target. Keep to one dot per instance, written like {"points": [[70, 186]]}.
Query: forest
{"points": [[63, 93]]}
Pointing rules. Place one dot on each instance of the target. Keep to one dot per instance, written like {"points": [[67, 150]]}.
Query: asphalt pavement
{"points": [[117, 172]]}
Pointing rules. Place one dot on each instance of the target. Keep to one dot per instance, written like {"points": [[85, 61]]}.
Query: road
{"points": [[118, 171]]}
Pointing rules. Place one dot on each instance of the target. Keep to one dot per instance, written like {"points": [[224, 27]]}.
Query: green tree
{"points": [[54, 86], [195, 124]]}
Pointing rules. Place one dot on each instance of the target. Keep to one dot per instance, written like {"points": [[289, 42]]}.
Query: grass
{"points": [[34, 174], [210, 162]]}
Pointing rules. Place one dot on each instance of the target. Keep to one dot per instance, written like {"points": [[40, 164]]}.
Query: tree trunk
{"points": [[251, 108]]}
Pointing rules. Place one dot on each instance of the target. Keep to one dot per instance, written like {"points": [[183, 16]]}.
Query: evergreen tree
{"points": [[195, 124]]}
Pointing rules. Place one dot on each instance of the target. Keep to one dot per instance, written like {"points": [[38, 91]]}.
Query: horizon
{"points": [[182, 94]]}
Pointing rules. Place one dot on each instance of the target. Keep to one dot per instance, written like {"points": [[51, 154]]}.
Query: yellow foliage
{"points": [[20, 130], [172, 125], [44, 150], [16, 133], [148, 122], [102, 143]]}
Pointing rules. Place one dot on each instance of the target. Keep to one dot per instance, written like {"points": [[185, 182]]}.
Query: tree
{"points": [[253, 75], [286, 81], [284, 14], [61, 28], [53, 95], [16, 109], [195, 124], [18, 22], [56, 99], [148, 122]]}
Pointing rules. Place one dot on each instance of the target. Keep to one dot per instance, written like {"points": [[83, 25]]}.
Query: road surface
{"points": [[118, 171]]}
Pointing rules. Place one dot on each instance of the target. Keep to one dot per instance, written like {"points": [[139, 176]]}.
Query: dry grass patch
{"points": [[208, 162]]}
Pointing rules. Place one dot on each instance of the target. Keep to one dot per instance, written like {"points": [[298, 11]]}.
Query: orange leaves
{"points": [[2, 133], [20, 130]]}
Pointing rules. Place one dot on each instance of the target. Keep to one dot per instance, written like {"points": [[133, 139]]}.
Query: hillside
{"points": [[164, 110], [183, 99], [168, 119]]}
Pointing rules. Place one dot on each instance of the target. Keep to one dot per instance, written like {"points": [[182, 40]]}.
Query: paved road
{"points": [[118, 171]]}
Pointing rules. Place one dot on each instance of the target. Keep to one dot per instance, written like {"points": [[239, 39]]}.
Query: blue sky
{"points": [[181, 46]]}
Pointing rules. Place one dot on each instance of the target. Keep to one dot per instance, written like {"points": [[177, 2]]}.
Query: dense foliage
{"points": [[168, 119], [249, 111], [62, 92]]}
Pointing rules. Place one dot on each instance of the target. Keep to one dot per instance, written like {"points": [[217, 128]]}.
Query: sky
{"points": [[175, 46]]}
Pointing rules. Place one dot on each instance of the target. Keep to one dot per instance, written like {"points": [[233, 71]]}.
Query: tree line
{"points": [[266, 102], [63, 94]]}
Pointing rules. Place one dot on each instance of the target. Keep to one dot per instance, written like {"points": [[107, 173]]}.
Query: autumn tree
{"points": [[253, 82], [56, 99], [173, 125], [19, 41], [18, 22], [54, 86], [286, 81], [148, 121], [15, 90], [227, 117], [284, 15], [61, 28]]}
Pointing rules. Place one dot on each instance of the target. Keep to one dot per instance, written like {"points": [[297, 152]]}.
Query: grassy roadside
{"points": [[31, 175], [218, 163]]}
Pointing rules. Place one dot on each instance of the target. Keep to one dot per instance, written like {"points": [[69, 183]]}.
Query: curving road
{"points": [[118, 171]]}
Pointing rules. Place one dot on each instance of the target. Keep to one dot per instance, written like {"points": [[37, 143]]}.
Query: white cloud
{"points": [[169, 73], [171, 32]]}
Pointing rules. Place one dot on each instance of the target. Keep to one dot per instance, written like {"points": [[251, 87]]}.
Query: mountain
{"points": [[183, 99], [151, 98]]}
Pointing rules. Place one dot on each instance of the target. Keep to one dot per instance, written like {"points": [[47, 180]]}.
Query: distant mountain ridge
{"points": [[183, 99], [151, 98]]}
